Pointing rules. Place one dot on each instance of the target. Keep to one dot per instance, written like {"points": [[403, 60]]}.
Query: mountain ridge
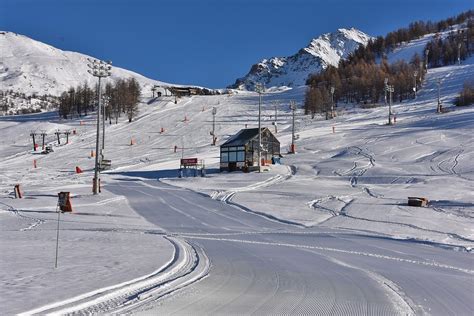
{"points": [[33, 67], [291, 71]]}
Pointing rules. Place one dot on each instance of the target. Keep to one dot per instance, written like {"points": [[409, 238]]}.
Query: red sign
{"points": [[189, 161]]}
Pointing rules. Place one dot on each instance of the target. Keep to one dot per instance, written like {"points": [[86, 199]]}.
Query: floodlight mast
{"points": [[415, 74], [259, 88], [293, 109], [426, 59], [390, 90], [332, 102], [459, 54], [99, 69], [275, 104], [214, 112], [439, 107]]}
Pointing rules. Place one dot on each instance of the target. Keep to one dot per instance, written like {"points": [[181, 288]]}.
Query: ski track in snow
{"points": [[359, 253], [188, 265]]}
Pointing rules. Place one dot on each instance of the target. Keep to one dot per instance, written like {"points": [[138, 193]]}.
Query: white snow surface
{"points": [[293, 71], [357, 179]]}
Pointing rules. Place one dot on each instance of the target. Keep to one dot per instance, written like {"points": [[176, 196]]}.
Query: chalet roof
{"points": [[242, 137]]}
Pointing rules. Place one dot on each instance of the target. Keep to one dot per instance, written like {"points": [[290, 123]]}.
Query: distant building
{"points": [[182, 91], [240, 152]]}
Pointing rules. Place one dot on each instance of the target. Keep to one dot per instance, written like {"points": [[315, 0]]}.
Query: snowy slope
{"points": [[353, 182], [293, 70], [406, 50], [28, 66]]}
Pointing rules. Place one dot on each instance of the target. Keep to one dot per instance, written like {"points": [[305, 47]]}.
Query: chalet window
{"points": [[224, 157], [240, 156], [224, 149], [232, 156]]}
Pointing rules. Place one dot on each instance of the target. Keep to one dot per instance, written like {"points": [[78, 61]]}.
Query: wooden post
{"points": [[32, 134], [18, 194], [43, 134], [57, 135], [67, 136]]}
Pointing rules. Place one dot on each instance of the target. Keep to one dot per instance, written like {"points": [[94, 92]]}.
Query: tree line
{"points": [[466, 97], [443, 52], [361, 77], [14, 102], [119, 97], [380, 46], [363, 82]]}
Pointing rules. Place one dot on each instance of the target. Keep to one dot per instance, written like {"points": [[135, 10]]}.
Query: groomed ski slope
{"points": [[331, 221]]}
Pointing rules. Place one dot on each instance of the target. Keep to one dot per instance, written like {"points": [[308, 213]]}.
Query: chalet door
{"points": [[232, 166]]}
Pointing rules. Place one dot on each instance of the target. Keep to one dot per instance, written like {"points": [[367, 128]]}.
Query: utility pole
{"points": [[33, 134], [43, 135], [390, 90], [415, 74], [67, 136], [385, 89], [332, 102], [58, 133], [153, 90], [293, 109], [259, 88], [459, 54], [99, 69], [213, 133], [276, 117], [103, 128], [439, 108], [426, 59]]}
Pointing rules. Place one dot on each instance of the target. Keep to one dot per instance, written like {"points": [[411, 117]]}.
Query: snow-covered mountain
{"points": [[29, 66], [293, 70]]}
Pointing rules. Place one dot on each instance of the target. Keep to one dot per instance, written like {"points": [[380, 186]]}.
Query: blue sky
{"points": [[208, 42]]}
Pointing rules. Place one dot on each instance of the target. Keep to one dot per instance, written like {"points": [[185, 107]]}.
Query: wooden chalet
{"points": [[240, 151]]}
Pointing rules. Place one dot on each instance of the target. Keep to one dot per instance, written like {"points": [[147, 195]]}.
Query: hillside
{"points": [[293, 71], [339, 203], [31, 67]]}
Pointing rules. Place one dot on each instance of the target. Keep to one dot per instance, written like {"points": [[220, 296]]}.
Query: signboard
{"points": [[189, 161], [64, 202]]}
